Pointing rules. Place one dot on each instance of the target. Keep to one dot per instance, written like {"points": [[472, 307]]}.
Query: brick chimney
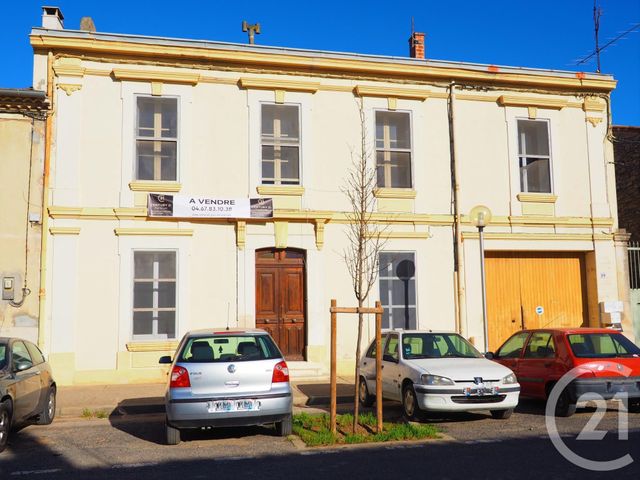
{"points": [[416, 45], [52, 18]]}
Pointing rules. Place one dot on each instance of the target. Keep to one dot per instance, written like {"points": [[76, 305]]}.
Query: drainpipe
{"points": [[457, 236], [45, 207]]}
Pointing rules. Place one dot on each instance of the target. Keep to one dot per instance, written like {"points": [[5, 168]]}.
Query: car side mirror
{"points": [[490, 356], [21, 366], [165, 359]]}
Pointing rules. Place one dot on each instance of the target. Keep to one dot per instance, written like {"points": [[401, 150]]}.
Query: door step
{"points": [[307, 371]]}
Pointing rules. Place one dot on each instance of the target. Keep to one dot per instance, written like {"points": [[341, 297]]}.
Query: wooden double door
{"points": [[534, 290], [280, 298]]}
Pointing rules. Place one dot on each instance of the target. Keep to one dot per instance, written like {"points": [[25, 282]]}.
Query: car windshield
{"points": [[229, 348], [436, 345], [602, 345], [3, 355]]}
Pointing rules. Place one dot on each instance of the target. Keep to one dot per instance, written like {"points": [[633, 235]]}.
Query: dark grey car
{"points": [[27, 388]]}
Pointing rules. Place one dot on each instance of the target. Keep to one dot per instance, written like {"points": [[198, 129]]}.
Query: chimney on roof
{"points": [[86, 23], [52, 18], [416, 45]]}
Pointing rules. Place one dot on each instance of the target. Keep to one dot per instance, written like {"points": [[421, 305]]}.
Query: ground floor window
{"points": [[154, 295], [398, 289]]}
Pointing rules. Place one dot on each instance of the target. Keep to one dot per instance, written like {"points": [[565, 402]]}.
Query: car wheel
{"points": [[502, 414], [565, 406], [366, 400], [173, 435], [284, 427], [5, 423], [410, 403], [49, 411]]}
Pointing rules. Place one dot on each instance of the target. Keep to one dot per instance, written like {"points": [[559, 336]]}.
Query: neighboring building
{"points": [[22, 121], [143, 115], [626, 152]]}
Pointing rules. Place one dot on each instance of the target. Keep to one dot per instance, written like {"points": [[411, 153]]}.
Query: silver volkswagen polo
{"points": [[227, 378]]}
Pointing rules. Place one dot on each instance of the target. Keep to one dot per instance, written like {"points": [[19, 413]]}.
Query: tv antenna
{"points": [[597, 13], [252, 29]]}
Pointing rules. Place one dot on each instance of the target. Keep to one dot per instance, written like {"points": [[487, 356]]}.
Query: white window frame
{"points": [[415, 278], [155, 335], [410, 150], [520, 157], [136, 138], [276, 171]]}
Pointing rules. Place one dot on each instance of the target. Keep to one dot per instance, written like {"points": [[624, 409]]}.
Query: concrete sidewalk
{"points": [[134, 399]]}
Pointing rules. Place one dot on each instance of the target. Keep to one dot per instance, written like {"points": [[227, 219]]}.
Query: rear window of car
{"points": [[229, 348], [35, 352], [602, 345]]}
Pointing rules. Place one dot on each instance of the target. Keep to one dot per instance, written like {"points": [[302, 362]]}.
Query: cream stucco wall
{"points": [[21, 159]]}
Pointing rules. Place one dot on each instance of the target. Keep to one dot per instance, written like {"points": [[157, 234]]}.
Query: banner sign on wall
{"points": [[183, 206]]}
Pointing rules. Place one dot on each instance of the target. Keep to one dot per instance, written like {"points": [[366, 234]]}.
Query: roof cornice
{"points": [[314, 62]]}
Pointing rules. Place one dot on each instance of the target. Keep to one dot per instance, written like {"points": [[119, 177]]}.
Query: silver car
{"points": [[227, 378]]}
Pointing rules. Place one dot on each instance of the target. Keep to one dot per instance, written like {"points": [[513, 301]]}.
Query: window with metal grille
{"points": [[154, 295], [280, 139], [393, 149], [156, 138], [398, 289], [534, 156]]}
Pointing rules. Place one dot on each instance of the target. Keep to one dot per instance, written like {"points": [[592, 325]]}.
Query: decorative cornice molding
{"points": [[393, 92], [157, 346], [537, 197], [394, 193], [151, 186], [538, 236], [277, 84], [593, 105], [400, 235], [241, 234], [158, 232], [594, 121], [69, 67], [278, 190], [128, 213], [185, 54], [69, 88], [517, 101], [64, 230], [155, 76]]}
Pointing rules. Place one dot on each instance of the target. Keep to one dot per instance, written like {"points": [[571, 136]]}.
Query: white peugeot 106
{"points": [[431, 371]]}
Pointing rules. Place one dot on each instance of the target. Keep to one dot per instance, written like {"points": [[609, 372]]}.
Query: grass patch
{"points": [[87, 413], [314, 430]]}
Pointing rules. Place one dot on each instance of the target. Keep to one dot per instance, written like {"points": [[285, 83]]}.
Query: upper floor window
{"points": [[156, 138], [280, 139], [393, 149], [534, 156], [154, 295]]}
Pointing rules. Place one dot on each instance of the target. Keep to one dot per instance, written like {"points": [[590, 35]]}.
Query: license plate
{"points": [[241, 405], [480, 391]]}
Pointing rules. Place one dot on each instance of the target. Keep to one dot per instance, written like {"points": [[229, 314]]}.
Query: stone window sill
{"points": [[402, 193], [281, 190], [154, 186], [154, 346], [537, 197]]}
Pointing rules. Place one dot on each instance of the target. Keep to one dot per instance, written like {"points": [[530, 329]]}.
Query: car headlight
{"points": [[435, 380], [511, 378]]}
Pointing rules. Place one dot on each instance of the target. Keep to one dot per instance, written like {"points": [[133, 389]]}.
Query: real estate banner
{"points": [[183, 206]]}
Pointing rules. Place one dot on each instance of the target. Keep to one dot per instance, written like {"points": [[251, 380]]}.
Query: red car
{"points": [[609, 363]]}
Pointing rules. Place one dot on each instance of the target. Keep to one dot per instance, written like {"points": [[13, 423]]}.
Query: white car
{"points": [[432, 371]]}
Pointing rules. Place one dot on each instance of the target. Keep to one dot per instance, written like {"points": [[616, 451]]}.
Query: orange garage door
{"points": [[534, 290]]}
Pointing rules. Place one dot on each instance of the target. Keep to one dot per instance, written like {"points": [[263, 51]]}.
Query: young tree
{"points": [[363, 234]]}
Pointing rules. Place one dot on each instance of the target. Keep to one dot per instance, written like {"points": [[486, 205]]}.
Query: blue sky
{"points": [[531, 33]]}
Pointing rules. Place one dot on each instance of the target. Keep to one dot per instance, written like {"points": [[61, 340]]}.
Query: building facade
{"points": [[22, 146], [196, 121]]}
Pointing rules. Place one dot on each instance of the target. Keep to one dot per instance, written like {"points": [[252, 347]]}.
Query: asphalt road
{"points": [[475, 446]]}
